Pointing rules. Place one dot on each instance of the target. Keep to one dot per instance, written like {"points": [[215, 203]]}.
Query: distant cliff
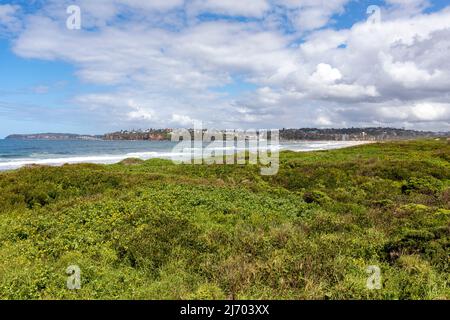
{"points": [[149, 134], [52, 136]]}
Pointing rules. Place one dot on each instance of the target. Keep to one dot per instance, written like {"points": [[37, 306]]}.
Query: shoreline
{"points": [[109, 159]]}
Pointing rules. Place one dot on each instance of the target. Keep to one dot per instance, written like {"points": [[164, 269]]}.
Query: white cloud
{"points": [[420, 111], [431, 111], [162, 5], [325, 74], [407, 73], [139, 113], [9, 21], [183, 120], [312, 14], [171, 68], [324, 121], [254, 8]]}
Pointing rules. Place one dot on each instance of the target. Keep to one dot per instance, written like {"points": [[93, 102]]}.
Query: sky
{"points": [[231, 64]]}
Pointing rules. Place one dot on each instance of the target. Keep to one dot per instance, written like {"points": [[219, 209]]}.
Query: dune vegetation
{"points": [[156, 230]]}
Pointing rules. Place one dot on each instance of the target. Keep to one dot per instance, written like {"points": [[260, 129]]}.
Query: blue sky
{"points": [[230, 64]]}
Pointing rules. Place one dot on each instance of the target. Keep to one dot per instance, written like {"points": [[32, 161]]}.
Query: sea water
{"points": [[18, 153]]}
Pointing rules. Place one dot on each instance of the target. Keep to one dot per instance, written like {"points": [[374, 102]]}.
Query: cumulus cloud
{"points": [[325, 74], [177, 67], [407, 73]]}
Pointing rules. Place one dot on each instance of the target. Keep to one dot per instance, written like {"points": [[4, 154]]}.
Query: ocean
{"points": [[18, 153]]}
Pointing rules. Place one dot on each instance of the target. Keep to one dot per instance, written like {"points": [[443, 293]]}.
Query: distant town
{"points": [[348, 134]]}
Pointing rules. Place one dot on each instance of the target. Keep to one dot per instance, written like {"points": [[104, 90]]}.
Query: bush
{"points": [[315, 196], [131, 162], [427, 185]]}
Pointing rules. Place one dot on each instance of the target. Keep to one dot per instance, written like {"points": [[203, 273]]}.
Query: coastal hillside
{"points": [[52, 136], [347, 134], [156, 230]]}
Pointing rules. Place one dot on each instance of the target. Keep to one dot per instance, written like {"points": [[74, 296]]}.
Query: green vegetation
{"points": [[155, 230]]}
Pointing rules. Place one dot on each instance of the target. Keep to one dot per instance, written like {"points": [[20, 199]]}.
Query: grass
{"points": [[155, 230]]}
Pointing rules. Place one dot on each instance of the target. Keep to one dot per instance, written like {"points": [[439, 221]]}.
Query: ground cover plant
{"points": [[156, 230]]}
